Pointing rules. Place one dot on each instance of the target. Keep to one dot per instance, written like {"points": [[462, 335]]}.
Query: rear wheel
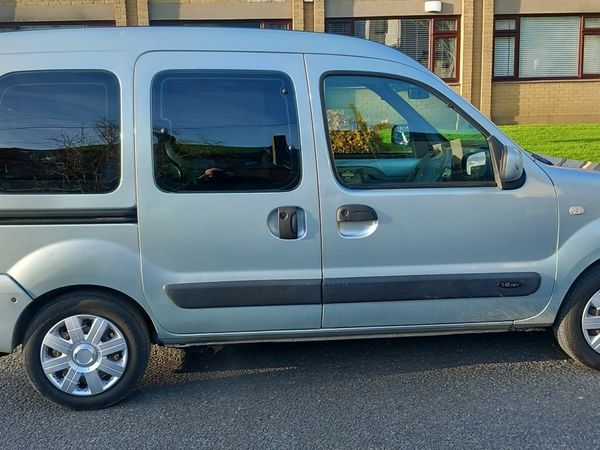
{"points": [[577, 327], [86, 350]]}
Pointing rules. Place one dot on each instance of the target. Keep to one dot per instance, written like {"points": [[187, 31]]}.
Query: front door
{"points": [[227, 192], [415, 229]]}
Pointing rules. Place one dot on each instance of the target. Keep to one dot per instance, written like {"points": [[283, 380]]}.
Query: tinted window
{"points": [[59, 132], [383, 132], [224, 131]]}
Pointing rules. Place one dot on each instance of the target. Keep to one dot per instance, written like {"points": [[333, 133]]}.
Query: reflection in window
{"points": [[445, 25], [444, 57], [59, 132], [224, 131], [385, 132]]}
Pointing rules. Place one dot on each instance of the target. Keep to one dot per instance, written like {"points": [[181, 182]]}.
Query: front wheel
{"points": [[86, 350], [577, 327]]}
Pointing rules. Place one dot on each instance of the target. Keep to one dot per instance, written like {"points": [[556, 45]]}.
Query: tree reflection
{"points": [[85, 161]]}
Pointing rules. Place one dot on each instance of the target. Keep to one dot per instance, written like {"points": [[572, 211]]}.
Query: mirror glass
{"points": [[475, 164], [401, 135]]}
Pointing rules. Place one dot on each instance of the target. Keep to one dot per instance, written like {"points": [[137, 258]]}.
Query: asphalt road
{"points": [[476, 391]]}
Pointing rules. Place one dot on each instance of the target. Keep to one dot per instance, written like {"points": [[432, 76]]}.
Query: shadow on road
{"points": [[331, 360], [418, 353]]}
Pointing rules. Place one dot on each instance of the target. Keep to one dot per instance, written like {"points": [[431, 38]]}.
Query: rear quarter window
{"points": [[59, 132]]}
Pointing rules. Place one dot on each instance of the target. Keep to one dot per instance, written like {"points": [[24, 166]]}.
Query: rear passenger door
{"points": [[227, 192]]}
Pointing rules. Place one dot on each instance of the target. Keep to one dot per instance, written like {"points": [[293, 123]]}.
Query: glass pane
{"points": [[444, 63], [592, 22], [276, 25], [504, 56], [376, 30], [224, 131], [506, 24], [50, 26], [549, 47], [591, 55], [236, 24], [360, 28], [445, 25], [59, 132], [387, 132], [339, 28], [413, 39], [410, 36], [221, 23]]}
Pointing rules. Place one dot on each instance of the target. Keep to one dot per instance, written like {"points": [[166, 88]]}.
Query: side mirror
{"points": [[400, 135], [508, 161]]}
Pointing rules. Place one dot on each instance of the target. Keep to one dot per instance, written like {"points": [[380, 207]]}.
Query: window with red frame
{"points": [[541, 47], [432, 42], [14, 26], [272, 24]]}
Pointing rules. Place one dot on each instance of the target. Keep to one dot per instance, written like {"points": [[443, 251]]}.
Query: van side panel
{"points": [[42, 258], [52, 240], [13, 301]]}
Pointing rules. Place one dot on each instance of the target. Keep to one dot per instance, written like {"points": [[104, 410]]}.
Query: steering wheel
{"points": [[432, 166], [370, 175], [361, 175]]}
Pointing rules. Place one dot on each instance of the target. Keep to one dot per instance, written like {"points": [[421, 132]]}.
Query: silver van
{"points": [[209, 186]]}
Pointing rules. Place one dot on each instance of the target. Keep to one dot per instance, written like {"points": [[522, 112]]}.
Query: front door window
{"points": [[391, 133]]}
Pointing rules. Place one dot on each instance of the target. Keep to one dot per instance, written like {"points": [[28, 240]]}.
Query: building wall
{"points": [[546, 6], [219, 9], [546, 102], [56, 10], [379, 8], [530, 102]]}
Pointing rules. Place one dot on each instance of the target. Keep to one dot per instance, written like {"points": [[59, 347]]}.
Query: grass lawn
{"points": [[580, 142]]}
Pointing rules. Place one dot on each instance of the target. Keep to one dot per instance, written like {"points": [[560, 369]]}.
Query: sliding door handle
{"points": [[356, 213]]}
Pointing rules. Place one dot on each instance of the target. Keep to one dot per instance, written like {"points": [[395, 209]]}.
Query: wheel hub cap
{"points": [[84, 355], [590, 322]]}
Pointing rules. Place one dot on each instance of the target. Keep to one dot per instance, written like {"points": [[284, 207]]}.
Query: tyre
{"points": [[577, 326], [86, 350]]}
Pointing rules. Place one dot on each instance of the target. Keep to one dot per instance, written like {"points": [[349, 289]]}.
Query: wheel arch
{"points": [[44, 299], [577, 256], [589, 269]]}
